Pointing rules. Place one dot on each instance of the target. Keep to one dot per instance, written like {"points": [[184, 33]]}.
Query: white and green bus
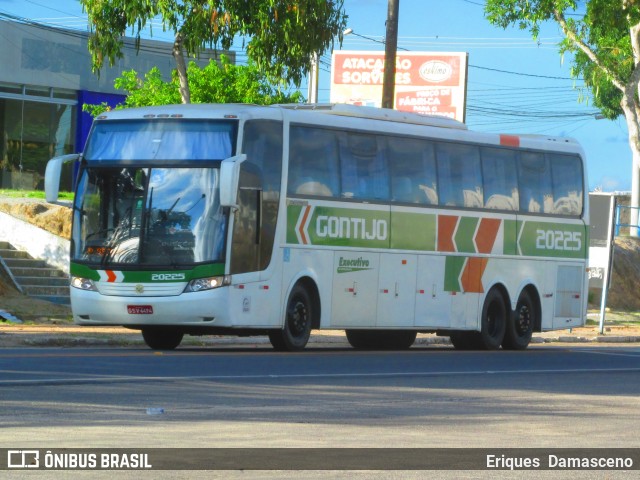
{"points": [[249, 220]]}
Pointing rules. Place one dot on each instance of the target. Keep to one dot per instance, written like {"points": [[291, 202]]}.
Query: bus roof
{"points": [[374, 113]]}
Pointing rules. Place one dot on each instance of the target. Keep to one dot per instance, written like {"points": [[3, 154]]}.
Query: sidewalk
{"points": [[65, 335]]}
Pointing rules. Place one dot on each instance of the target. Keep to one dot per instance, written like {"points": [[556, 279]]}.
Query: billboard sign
{"points": [[429, 83]]}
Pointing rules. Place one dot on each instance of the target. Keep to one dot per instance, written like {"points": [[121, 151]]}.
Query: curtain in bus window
{"points": [[567, 184], [313, 162], [534, 183], [160, 141], [413, 171], [459, 175], [364, 167], [500, 178], [210, 229]]}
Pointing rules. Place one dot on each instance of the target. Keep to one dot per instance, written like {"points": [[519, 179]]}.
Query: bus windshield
{"points": [[148, 216]]}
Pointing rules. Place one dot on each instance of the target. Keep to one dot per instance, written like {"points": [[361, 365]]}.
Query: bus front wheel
{"points": [[494, 321], [297, 322], [162, 338]]}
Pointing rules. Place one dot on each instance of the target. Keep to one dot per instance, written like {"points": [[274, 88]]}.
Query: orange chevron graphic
{"points": [[486, 234], [446, 226], [303, 223], [111, 276], [471, 280]]}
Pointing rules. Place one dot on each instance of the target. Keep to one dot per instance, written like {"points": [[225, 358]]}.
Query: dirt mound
{"points": [[55, 219], [624, 292]]}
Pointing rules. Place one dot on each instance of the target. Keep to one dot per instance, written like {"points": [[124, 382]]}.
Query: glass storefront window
{"points": [[32, 133], [38, 91], [11, 88], [62, 93]]}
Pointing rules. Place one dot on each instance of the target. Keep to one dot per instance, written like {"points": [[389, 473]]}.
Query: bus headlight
{"points": [[83, 284], [208, 283]]}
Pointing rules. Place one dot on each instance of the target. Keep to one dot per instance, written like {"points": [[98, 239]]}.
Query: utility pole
{"points": [[312, 92], [391, 46]]}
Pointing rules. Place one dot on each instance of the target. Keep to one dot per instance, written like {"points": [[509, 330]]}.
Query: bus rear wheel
{"points": [[297, 322], [162, 338], [381, 339], [520, 326]]}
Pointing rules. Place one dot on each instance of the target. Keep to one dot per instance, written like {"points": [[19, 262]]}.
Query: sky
{"points": [[515, 84]]}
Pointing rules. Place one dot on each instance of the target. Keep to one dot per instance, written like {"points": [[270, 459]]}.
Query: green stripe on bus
{"points": [[161, 276], [453, 266], [510, 237], [465, 234], [359, 228], [83, 271], [550, 239], [293, 213], [413, 231]]}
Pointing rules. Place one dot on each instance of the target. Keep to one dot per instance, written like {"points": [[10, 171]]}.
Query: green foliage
{"points": [[604, 31], [215, 83], [280, 35], [33, 194]]}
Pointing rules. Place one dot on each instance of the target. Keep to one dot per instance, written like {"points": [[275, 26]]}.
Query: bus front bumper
{"points": [[194, 309]]}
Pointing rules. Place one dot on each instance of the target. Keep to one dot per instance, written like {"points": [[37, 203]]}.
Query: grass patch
{"points": [[33, 194]]}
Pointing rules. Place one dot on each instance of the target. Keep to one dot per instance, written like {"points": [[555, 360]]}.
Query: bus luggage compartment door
{"points": [[355, 286]]}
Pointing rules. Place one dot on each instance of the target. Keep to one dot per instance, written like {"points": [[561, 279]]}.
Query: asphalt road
{"points": [[548, 396]]}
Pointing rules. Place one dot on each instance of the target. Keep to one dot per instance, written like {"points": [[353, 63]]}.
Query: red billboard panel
{"points": [[426, 82]]}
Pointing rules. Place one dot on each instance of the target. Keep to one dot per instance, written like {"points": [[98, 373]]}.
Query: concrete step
{"points": [[46, 281], [35, 277], [45, 290], [8, 253], [36, 272], [59, 299], [15, 263]]}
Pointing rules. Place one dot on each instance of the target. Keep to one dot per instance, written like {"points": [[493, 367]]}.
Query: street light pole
{"points": [[391, 46]]}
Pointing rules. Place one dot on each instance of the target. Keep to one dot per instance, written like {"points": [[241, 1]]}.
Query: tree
{"points": [[606, 47], [280, 35], [215, 83]]}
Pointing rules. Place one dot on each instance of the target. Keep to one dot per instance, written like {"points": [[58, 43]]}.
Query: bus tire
{"points": [[520, 326], [493, 321], [358, 339], [400, 339], [297, 322], [162, 338], [464, 340], [381, 339]]}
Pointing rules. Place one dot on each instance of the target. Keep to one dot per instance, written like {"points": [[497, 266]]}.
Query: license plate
{"points": [[140, 309]]}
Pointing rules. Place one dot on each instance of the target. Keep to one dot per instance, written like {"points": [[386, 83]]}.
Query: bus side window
{"points": [[459, 175], [364, 167], [412, 165], [313, 162], [567, 184], [500, 178], [534, 183]]}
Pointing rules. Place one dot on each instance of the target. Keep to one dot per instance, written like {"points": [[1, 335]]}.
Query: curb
{"points": [[134, 339]]}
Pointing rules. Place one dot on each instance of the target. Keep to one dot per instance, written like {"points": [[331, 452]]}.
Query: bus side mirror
{"points": [[52, 175], [229, 179]]}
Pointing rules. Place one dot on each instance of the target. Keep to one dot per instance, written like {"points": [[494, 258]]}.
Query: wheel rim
{"points": [[298, 318], [523, 322]]}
